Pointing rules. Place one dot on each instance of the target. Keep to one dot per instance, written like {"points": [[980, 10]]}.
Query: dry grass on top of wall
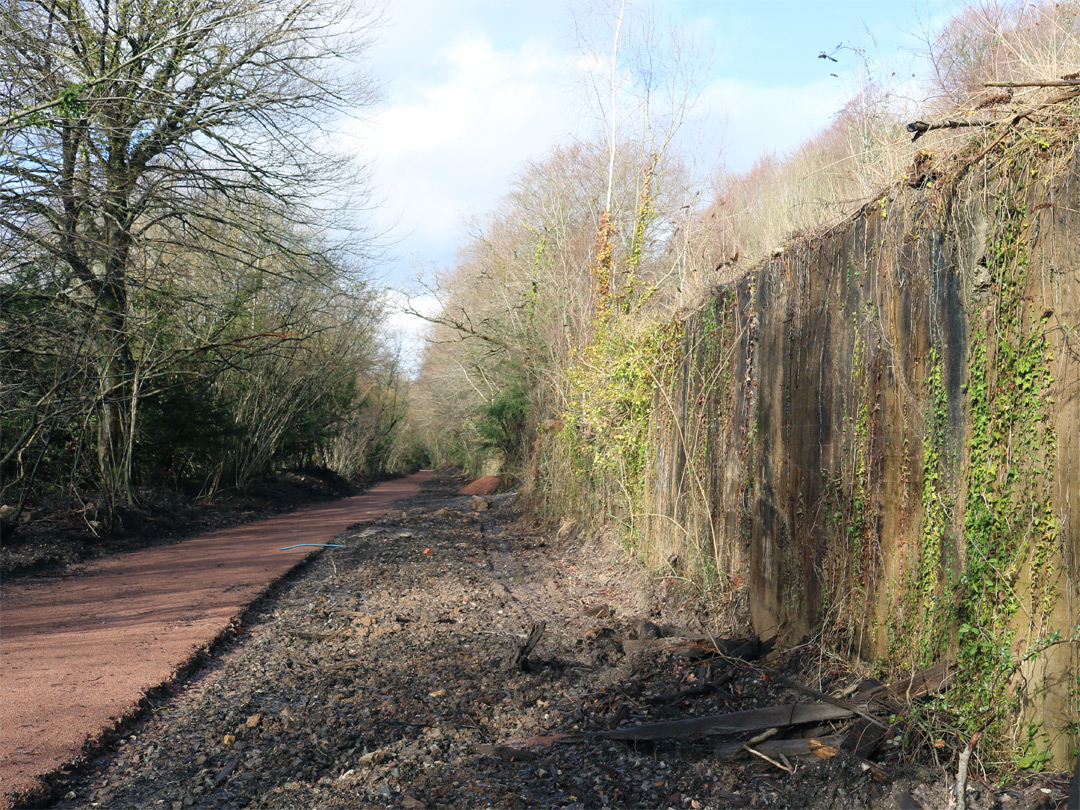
{"points": [[868, 147]]}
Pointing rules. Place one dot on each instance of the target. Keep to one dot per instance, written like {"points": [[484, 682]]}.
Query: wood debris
{"points": [[859, 737], [520, 661], [791, 714]]}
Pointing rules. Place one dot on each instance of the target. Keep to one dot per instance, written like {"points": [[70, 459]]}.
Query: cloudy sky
{"points": [[473, 89]]}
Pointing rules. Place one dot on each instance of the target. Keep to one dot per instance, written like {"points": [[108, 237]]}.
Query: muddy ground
{"points": [[382, 675]]}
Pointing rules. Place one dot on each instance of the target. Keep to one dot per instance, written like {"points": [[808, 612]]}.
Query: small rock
{"points": [[438, 693], [254, 720], [480, 503], [371, 758], [599, 611], [228, 739], [385, 791], [411, 802]]}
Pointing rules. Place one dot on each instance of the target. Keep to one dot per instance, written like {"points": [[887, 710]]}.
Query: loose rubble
{"points": [[398, 672]]}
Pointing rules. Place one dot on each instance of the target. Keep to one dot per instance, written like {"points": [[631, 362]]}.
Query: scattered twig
{"points": [[786, 768], [695, 691], [821, 747], [763, 736]]}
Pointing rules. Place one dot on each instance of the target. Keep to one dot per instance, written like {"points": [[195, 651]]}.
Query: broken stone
{"points": [[371, 758]]}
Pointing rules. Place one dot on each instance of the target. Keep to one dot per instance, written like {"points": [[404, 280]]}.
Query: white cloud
{"points": [[475, 88], [450, 148]]}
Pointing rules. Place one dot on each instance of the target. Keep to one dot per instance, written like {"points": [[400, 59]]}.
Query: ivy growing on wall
{"points": [[1009, 523]]}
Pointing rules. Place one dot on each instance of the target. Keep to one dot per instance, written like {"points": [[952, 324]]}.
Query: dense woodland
{"points": [[184, 302]]}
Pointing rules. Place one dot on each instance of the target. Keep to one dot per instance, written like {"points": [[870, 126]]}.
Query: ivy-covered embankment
{"points": [[874, 438]]}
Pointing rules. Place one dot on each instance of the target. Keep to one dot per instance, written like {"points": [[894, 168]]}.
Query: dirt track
{"points": [[80, 652], [389, 674]]}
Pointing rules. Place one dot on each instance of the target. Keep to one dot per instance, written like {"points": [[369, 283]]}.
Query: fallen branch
{"points": [[864, 737], [689, 644], [962, 772], [920, 684], [695, 691], [821, 747], [920, 128], [1050, 83], [633, 645]]}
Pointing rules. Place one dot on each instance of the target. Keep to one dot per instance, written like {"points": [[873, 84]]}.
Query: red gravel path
{"points": [[78, 653]]}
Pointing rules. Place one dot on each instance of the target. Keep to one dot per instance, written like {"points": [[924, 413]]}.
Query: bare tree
{"points": [[139, 131]]}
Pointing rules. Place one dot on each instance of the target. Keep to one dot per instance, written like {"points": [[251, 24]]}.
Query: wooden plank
{"points": [[922, 683], [791, 714], [864, 737]]}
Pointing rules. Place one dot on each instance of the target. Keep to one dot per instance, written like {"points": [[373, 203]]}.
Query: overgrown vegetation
{"points": [[174, 312], [930, 528]]}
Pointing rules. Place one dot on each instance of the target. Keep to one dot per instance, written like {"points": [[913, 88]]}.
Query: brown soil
{"points": [[485, 485], [80, 652], [380, 677]]}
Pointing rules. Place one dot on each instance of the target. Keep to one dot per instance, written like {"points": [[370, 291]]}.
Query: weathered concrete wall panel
{"points": [[876, 436]]}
